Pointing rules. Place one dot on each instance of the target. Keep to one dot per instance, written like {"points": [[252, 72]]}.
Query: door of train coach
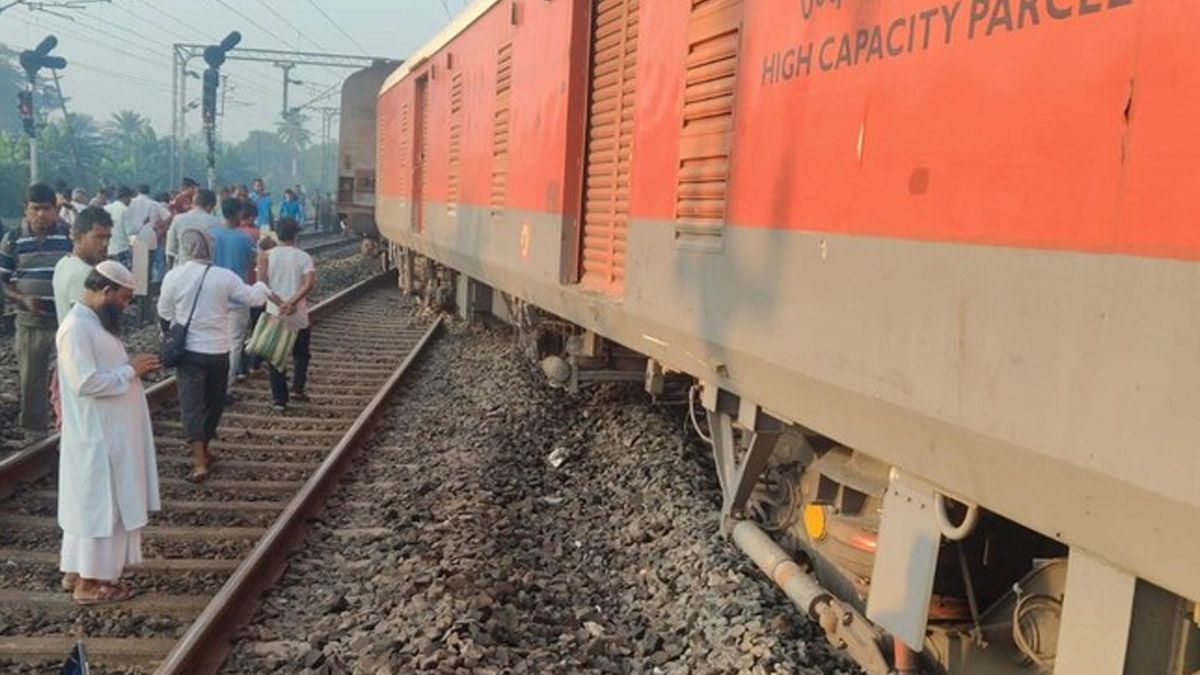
{"points": [[420, 165], [609, 144]]}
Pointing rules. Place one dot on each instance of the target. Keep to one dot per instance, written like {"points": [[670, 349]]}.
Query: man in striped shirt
{"points": [[28, 255]]}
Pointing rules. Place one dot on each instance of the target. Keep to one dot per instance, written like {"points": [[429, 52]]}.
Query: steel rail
{"points": [[39, 459], [208, 641], [330, 245]]}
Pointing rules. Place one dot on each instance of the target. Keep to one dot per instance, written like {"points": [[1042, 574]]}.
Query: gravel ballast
{"points": [[453, 546]]}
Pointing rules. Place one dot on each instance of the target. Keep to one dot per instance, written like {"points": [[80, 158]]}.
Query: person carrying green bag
{"points": [[291, 274]]}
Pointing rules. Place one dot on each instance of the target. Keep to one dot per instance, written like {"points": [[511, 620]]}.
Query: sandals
{"points": [[107, 594], [68, 582], [199, 476]]}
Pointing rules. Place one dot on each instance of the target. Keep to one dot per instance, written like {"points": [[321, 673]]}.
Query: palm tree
{"points": [[128, 130], [293, 134]]}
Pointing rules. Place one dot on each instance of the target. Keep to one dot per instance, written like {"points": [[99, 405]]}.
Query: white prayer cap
{"points": [[116, 273]]}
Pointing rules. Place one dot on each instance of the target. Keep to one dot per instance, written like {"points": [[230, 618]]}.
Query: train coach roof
{"points": [[418, 58]]}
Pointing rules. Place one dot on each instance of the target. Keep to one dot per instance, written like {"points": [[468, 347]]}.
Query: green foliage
{"points": [[125, 150]]}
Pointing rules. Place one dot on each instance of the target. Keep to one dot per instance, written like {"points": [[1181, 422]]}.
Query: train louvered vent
{"points": [[455, 149], [500, 128], [609, 144], [392, 152], [421, 155], [706, 140], [405, 144]]}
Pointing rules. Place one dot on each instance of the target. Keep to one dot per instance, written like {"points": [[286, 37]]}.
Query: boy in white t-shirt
{"points": [[291, 274]]}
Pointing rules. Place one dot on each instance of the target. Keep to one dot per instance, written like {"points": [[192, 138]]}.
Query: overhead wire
{"points": [[282, 17], [157, 26], [69, 29], [256, 24], [148, 84], [338, 27], [333, 88], [175, 20], [319, 91], [247, 82], [310, 87], [84, 37]]}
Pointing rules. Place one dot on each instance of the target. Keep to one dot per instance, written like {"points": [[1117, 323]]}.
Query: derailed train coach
{"points": [[356, 148], [930, 265]]}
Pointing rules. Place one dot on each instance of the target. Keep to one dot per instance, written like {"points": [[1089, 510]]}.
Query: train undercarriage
{"points": [[902, 577]]}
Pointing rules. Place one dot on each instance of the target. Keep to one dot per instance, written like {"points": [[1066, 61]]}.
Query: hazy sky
{"points": [[119, 52]]}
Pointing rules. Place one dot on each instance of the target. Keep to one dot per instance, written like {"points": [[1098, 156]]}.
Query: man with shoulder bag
{"points": [[194, 307]]}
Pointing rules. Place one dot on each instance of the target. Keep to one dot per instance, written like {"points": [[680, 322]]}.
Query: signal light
{"points": [[208, 99], [25, 112]]}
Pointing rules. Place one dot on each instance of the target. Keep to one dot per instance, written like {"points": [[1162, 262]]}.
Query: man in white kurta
{"points": [[107, 476]]}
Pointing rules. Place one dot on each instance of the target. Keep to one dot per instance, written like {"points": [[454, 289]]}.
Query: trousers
{"points": [[201, 380], [239, 319], [35, 351], [300, 358], [252, 361]]}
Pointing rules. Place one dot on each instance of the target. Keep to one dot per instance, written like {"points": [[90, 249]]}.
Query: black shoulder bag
{"points": [[174, 340]]}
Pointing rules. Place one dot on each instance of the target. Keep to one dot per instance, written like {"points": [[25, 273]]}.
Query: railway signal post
{"points": [[33, 60], [214, 56]]}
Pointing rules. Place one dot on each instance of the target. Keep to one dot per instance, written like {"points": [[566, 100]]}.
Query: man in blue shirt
{"points": [[262, 199], [291, 207], [234, 250]]}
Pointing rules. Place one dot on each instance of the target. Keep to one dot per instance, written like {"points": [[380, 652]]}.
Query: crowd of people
{"points": [[72, 269]]}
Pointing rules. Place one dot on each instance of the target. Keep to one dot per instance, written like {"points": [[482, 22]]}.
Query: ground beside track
{"points": [[452, 546]]}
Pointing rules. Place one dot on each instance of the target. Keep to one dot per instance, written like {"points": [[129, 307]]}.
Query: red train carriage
{"points": [[932, 263]]}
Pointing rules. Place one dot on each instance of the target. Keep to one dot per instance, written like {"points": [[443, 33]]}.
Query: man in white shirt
{"points": [[90, 235], [118, 246], [202, 376], [72, 209], [142, 220], [291, 274], [200, 217], [107, 474], [103, 195]]}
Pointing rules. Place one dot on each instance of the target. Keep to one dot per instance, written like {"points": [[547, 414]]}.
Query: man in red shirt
{"points": [[246, 218], [245, 223], [187, 194]]}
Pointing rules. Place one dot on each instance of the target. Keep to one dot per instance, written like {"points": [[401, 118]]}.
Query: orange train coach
{"points": [[925, 269]]}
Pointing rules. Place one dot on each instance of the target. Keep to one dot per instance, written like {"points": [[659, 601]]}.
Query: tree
{"points": [[14, 172], [129, 130], [295, 136], [125, 150], [293, 133]]}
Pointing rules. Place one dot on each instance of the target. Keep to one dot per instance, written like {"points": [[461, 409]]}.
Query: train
{"points": [[356, 148], [925, 269]]}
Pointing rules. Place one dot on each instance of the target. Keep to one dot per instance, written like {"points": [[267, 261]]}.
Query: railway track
{"points": [[216, 547], [315, 244]]}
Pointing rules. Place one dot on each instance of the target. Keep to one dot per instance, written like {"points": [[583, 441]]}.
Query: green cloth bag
{"points": [[272, 341]]}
